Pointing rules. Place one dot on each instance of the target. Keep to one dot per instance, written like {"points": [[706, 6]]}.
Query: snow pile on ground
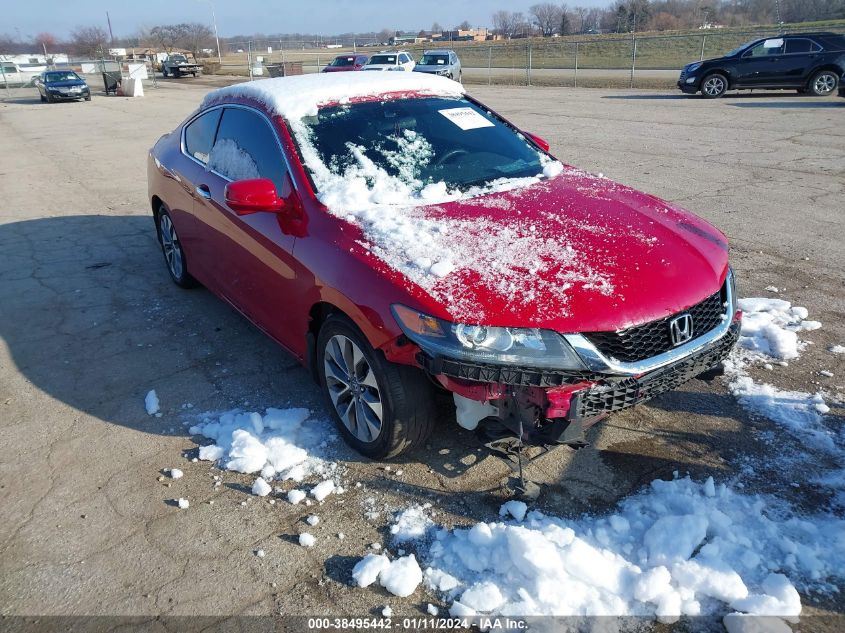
{"points": [[770, 329], [411, 524], [677, 548], [299, 96], [281, 444]]}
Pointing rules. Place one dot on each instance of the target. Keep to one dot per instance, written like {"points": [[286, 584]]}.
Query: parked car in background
{"points": [[11, 75], [61, 85], [177, 65], [396, 60], [440, 62], [808, 62], [395, 234], [344, 63]]}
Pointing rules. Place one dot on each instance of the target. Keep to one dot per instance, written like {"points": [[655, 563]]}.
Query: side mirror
{"points": [[540, 142], [253, 196]]}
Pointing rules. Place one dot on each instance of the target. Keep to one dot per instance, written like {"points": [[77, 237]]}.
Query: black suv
{"points": [[808, 62]]}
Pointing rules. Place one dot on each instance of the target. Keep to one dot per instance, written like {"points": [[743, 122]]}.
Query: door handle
{"points": [[203, 192]]}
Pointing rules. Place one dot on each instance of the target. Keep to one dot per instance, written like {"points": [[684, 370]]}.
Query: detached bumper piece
{"points": [[615, 395]]}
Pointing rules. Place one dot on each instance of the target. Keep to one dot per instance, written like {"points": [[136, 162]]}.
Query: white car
{"points": [[393, 60]]}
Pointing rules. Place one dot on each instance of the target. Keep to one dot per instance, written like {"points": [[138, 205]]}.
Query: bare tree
{"points": [[197, 37], [169, 36], [507, 23], [547, 17], [464, 26], [89, 40], [436, 28], [45, 41]]}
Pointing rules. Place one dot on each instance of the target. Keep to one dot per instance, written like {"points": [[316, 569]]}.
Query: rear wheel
{"points": [[823, 83], [714, 86], [171, 247], [380, 408], [163, 71]]}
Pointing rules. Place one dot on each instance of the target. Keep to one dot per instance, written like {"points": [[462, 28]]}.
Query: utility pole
{"points": [[111, 35]]}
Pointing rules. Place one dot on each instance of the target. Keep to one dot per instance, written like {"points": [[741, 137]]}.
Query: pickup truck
{"points": [[177, 65]]}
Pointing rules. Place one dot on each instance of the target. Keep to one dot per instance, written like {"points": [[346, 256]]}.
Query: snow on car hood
{"points": [[300, 96], [572, 252]]}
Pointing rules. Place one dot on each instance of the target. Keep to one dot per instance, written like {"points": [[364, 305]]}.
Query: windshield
{"points": [[343, 61], [177, 58], [383, 59], [410, 144], [433, 60], [60, 76]]}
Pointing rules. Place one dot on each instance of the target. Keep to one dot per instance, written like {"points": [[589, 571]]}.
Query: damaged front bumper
{"points": [[549, 406]]}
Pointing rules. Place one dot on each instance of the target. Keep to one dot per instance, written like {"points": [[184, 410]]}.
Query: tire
{"points": [[88, 98], [43, 98], [402, 393], [823, 83], [163, 71], [49, 98], [171, 248], [714, 86]]}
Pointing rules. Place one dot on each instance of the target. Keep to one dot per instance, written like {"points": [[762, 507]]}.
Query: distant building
{"points": [[459, 35], [407, 38]]}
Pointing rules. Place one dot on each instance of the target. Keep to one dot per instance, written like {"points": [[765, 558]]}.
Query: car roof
{"points": [[300, 95], [438, 51]]}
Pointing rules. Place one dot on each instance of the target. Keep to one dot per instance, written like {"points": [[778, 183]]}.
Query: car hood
{"points": [[572, 253], [338, 69], [380, 66], [430, 68], [68, 83]]}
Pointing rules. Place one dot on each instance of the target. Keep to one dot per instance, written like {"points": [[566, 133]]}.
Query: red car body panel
{"points": [[276, 269]]}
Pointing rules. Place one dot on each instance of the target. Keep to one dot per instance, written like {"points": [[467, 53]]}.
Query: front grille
{"points": [[650, 339], [624, 393]]}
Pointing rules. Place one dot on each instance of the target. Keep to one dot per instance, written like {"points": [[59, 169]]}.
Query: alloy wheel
{"points": [[713, 86], [824, 84], [353, 389], [171, 247]]}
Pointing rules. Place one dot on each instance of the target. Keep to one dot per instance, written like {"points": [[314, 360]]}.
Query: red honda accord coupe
{"points": [[397, 236]]}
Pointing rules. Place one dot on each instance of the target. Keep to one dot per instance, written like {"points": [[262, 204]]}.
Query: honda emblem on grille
{"points": [[680, 329]]}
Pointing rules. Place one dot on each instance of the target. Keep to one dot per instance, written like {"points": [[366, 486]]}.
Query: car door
{"points": [[761, 64], [181, 178], [252, 254], [799, 56]]}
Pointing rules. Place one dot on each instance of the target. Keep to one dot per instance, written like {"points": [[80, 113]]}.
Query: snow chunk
{"points": [[837, 349], [516, 509], [367, 570], [402, 577], [432, 610], [151, 403], [175, 473], [322, 489], [307, 540], [295, 496], [312, 520], [183, 504], [483, 596], [261, 487]]}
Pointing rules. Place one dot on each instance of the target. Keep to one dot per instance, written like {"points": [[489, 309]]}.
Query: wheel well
{"points": [[717, 71], [317, 315], [156, 205], [832, 67]]}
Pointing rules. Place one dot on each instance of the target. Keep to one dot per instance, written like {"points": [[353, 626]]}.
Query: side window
{"points": [[801, 45], [768, 48], [403, 58], [246, 148], [199, 135]]}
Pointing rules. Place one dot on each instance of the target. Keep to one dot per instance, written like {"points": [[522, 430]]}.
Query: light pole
{"points": [[216, 36]]}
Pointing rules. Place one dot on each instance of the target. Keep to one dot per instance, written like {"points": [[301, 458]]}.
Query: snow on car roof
{"points": [[300, 96]]}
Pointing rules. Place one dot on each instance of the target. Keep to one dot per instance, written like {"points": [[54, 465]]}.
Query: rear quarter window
{"points": [[199, 135]]}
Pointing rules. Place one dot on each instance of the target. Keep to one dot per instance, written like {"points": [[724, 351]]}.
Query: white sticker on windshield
{"points": [[466, 118]]}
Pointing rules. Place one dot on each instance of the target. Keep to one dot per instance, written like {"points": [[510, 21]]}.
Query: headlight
{"points": [[484, 344], [693, 67]]}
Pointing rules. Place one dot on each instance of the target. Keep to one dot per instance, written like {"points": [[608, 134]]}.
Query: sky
{"points": [[238, 17]]}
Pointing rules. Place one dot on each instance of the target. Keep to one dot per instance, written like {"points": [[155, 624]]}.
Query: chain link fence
{"points": [[625, 60]]}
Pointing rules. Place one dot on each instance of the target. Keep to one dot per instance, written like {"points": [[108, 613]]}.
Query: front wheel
{"points": [[714, 86], [824, 83], [380, 408], [171, 247]]}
